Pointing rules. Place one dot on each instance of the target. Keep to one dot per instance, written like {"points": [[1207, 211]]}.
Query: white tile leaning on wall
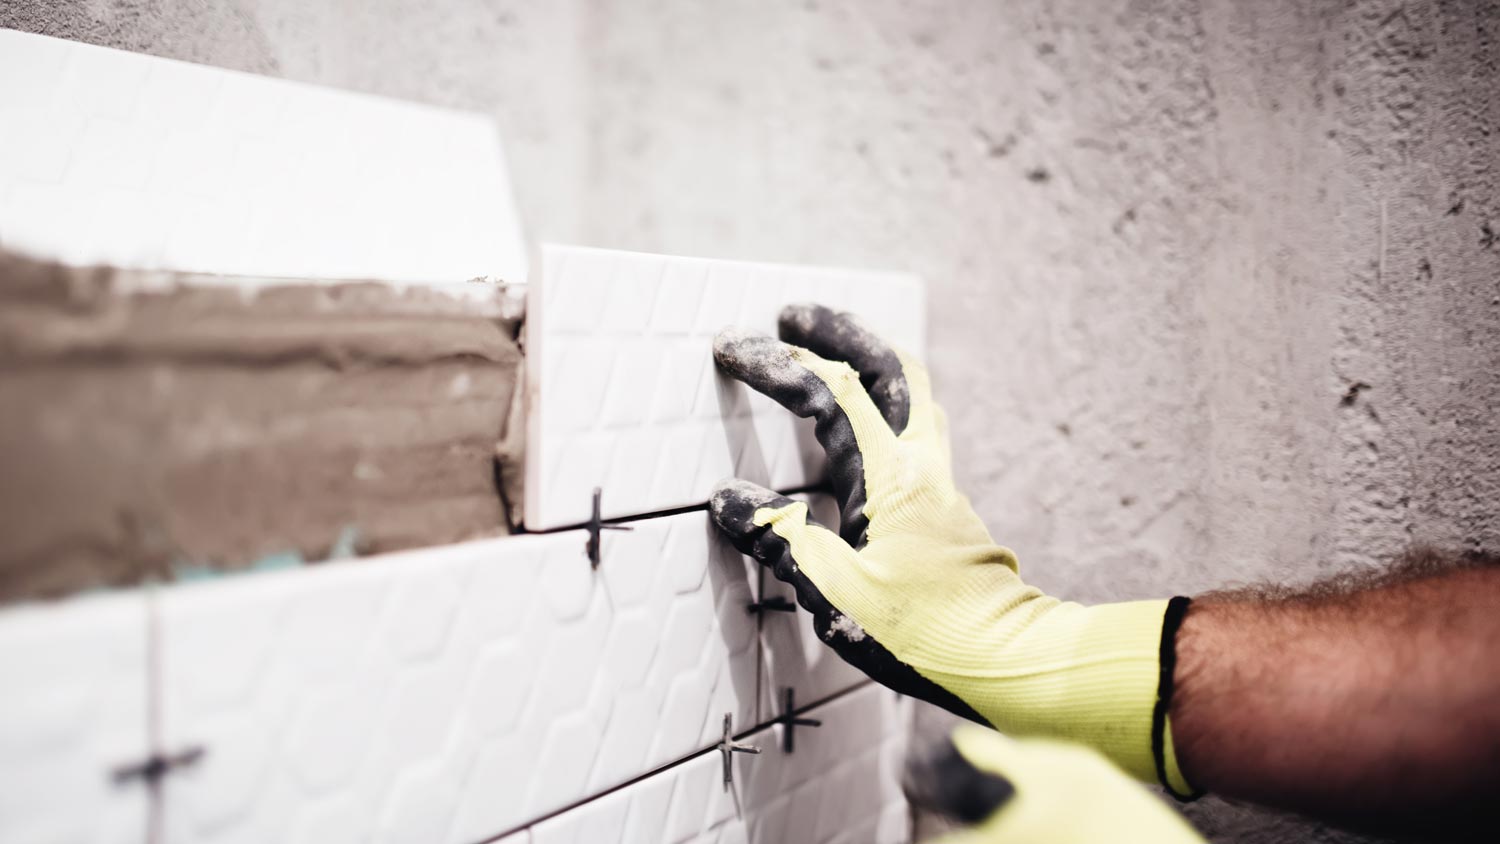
{"points": [[111, 157], [457, 693]]}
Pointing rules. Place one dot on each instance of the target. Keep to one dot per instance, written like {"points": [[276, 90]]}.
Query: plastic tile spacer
{"points": [[595, 525], [776, 604], [790, 722], [157, 766], [728, 747]]}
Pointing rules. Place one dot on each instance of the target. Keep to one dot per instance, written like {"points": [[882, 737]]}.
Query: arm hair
{"points": [[1371, 700]]}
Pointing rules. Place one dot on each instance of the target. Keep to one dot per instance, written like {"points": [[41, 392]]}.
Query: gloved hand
{"points": [[1024, 791], [912, 589]]}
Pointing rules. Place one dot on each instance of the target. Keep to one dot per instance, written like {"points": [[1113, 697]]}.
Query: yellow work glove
{"points": [[912, 589], [1008, 791]]}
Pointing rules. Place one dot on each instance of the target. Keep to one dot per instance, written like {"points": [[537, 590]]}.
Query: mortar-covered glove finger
{"points": [[912, 589], [1008, 791]]}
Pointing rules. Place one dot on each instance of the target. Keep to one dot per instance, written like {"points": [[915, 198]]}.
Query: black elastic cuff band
{"points": [[1167, 658]]}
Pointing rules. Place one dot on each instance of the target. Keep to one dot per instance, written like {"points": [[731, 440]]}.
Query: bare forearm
{"points": [[1376, 705]]}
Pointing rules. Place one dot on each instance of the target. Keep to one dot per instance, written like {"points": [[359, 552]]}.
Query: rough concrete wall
{"points": [[1215, 285], [1168, 243]]}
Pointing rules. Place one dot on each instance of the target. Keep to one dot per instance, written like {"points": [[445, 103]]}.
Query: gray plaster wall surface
{"points": [[1215, 286]]}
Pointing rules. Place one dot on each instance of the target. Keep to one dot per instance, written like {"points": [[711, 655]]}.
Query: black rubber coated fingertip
{"points": [[734, 347], [797, 322], [942, 781], [733, 503]]}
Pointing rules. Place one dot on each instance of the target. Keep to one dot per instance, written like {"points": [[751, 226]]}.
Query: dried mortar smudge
{"points": [[846, 627]]}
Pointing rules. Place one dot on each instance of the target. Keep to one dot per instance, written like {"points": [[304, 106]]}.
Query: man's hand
{"points": [[1030, 790], [912, 589]]}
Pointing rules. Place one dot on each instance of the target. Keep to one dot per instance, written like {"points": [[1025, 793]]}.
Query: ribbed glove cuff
{"points": [[1088, 674]]}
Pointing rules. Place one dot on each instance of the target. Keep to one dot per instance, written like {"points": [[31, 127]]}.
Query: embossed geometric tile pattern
{"points": [[624, 393], [73, 710], [840, 786], [452, 693], [114, 157]]}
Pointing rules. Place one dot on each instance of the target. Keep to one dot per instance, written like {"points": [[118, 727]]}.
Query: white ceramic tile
{"points": [[842, 784], [73, 710], [115, 157], [793, 654], [450, 694], [623, 391]]}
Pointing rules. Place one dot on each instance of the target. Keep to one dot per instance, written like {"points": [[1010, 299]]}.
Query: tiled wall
{"points": [[839, 785], [448, 694], [474, 690], [452, 693], [499, 689]]}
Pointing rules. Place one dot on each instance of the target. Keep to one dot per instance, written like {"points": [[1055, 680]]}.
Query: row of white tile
{"points": [[442, 694], [622, 388], [840, 785], [112, 157]]}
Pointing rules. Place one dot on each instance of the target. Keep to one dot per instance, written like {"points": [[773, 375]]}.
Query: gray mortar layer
{"points": [[203, 427], [1214, 287]]}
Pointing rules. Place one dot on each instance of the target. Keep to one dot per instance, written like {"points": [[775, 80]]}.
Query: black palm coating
{"points": [[839, 336], [942, 781], [733, 507], [767, 366]]}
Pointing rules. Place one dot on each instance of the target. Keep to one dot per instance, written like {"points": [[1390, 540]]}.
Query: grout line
{"points": [[822, 701], [661, 769], [156, 803], [661, 514], [760, 639]]}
